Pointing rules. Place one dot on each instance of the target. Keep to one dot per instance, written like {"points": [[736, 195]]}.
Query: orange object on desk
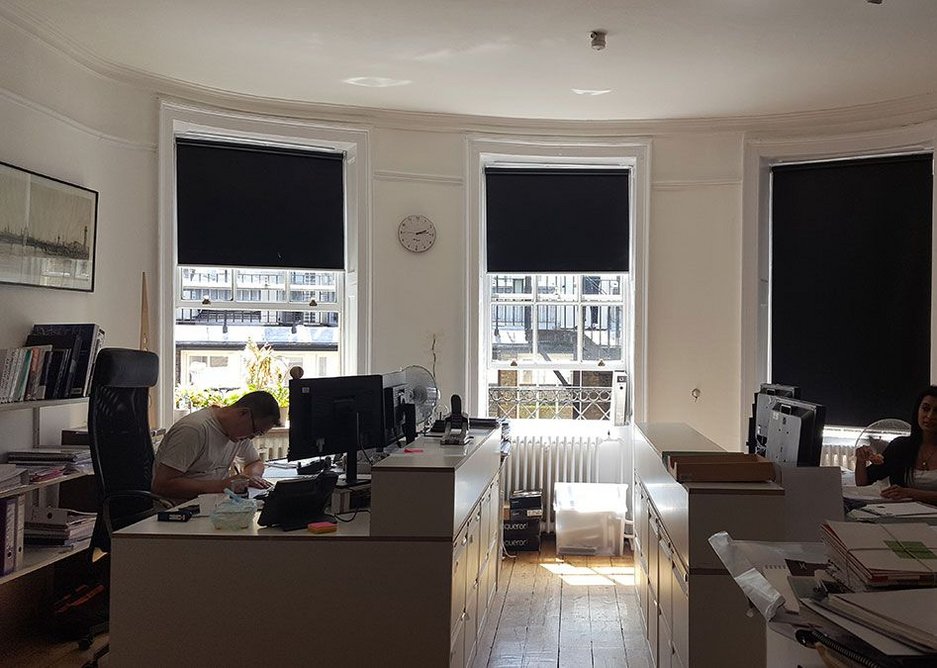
{"points": [[412, 451]]}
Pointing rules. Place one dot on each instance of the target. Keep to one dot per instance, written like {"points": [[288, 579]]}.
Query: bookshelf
{"points": [[35, 558], [36, 407]]}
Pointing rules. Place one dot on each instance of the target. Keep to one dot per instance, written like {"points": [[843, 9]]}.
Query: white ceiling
{"points": [[518, 58]]}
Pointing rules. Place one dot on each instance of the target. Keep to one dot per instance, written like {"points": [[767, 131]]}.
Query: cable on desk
{"points": [[337, 517], [809, 638]]}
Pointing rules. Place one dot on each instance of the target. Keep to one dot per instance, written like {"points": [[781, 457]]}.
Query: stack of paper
{"points": [[909, 615], [58, 526], [898, 510], [12, 476], [882, 555]]}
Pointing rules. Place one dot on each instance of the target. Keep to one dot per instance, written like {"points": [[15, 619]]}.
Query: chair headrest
{"points": [[122, 367]]}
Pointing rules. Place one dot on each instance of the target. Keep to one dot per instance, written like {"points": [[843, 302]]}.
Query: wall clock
{"points": [[416, 233]]}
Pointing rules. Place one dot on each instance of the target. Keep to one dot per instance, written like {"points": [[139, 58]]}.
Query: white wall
{"points": [[59, 118]]}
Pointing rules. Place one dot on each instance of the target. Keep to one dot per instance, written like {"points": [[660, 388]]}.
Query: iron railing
{"points": [[550, 402]]}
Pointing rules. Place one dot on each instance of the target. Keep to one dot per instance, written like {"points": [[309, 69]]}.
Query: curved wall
{"points": [[59, 117]]}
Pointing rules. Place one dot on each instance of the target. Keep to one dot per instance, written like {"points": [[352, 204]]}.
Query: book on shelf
{"points": [[62, 362], [89, 339]]}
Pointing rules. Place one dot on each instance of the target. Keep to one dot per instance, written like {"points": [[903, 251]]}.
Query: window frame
{"points": [[760, 154], [178, 119], [633, 154]]}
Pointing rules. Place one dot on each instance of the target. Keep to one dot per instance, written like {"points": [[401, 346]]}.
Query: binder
{"points": [[19, 541], [8, 520]]}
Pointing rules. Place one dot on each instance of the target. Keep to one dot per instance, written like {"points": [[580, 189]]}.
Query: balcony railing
{"points": [[550, 402]]}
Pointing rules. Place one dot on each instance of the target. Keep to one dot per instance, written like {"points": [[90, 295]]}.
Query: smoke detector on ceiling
{"points": [[598, 39]]}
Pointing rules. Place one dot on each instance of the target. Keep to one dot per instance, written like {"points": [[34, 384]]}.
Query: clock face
{"points": [[416, 233]]}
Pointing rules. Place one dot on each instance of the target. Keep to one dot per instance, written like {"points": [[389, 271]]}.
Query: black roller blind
{"points": [[851, 284], [249, 206], [556, 220]]}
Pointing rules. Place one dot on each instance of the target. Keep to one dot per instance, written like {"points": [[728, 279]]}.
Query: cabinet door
{"points": [[640, 583], [484, 530], [471, 620], [664, 646], [653, 619], [457, 653], [665, 579], [494, 511], [680, 603], [653, 553], [494, 569], [640, 521], [473, 549], [458, 578]]}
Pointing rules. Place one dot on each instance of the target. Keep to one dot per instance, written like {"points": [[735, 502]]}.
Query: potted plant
{"points": [[266, 372]]}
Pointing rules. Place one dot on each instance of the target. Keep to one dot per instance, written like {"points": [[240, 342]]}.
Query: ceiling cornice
{"points": [[875, 115]]}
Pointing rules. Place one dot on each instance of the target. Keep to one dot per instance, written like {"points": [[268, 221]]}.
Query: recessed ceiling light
{"points": [[376, 82], [590, 91]]}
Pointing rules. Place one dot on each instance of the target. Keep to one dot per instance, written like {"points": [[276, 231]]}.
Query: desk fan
{"points": [[881, 432], [424, 392]]}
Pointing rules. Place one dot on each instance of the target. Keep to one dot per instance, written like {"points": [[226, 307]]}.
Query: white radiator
{"points": [[839, 454], [536, 462]]}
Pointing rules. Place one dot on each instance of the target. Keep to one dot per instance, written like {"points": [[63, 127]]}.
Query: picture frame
{"points": [[48, 231]]}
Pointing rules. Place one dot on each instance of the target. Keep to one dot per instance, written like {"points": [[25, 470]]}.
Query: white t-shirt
{"points": [[924, 479], [198, 447]]}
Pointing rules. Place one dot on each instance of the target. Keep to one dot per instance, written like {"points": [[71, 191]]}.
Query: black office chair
{"points": [[121, 448]]}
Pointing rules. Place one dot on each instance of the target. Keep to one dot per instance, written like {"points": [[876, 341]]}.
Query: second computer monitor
{"points": [[795, 432]]}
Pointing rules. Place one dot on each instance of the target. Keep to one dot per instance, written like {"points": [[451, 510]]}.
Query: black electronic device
{"points": [[795, 432], [456, 424], [293, 504], [345, 414], [761, 413]]}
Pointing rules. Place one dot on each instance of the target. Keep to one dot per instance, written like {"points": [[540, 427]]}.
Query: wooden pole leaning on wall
{"points": [[145, 344]]}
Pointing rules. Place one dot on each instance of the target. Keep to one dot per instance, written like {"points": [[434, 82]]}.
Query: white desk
{"points": [[410, 585]]}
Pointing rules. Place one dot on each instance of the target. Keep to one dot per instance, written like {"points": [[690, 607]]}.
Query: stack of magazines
{"points": [[875, 556], [58, 527], [48, 463]]}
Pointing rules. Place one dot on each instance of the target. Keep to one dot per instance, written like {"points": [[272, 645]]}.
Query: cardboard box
{"points": [[526, 498], [524, 513], [515, 528], [527, 543], [720, 467]]}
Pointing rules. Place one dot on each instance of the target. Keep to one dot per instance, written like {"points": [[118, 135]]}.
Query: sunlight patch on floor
{"points": [[596, 576]]}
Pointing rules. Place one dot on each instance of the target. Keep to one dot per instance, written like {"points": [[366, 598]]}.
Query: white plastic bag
{"points": [[234, 512]]}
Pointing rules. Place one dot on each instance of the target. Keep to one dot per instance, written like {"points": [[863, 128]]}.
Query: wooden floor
{"points": [[549, 611], [564, 611]]}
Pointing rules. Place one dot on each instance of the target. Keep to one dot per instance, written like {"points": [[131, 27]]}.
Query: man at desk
{"points": [[196, 455]]}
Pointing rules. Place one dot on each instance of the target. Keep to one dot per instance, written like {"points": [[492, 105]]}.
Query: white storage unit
{"points": [[590, 517]]}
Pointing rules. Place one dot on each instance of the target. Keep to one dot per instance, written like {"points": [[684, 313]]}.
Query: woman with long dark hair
{"points": [[909, 462]]}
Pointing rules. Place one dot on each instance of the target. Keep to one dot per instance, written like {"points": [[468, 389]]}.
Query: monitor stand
{"points": [[360, 479]]}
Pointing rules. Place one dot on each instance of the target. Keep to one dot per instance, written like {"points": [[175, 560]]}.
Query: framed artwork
{"points": [[47, 231]]}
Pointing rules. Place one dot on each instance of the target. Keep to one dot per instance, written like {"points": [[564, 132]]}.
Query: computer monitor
{"points": [[795, 432], [345, 414], [761, 413]]}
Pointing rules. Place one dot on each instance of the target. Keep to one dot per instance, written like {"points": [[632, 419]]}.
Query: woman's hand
{"points": [[866, 455], [898, 492]]}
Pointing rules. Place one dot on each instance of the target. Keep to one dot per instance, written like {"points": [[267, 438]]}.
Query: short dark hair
{"points": [[261, 404]]}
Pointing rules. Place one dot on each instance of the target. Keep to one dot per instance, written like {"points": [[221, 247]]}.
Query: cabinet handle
{"points": [[464, 539]]}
